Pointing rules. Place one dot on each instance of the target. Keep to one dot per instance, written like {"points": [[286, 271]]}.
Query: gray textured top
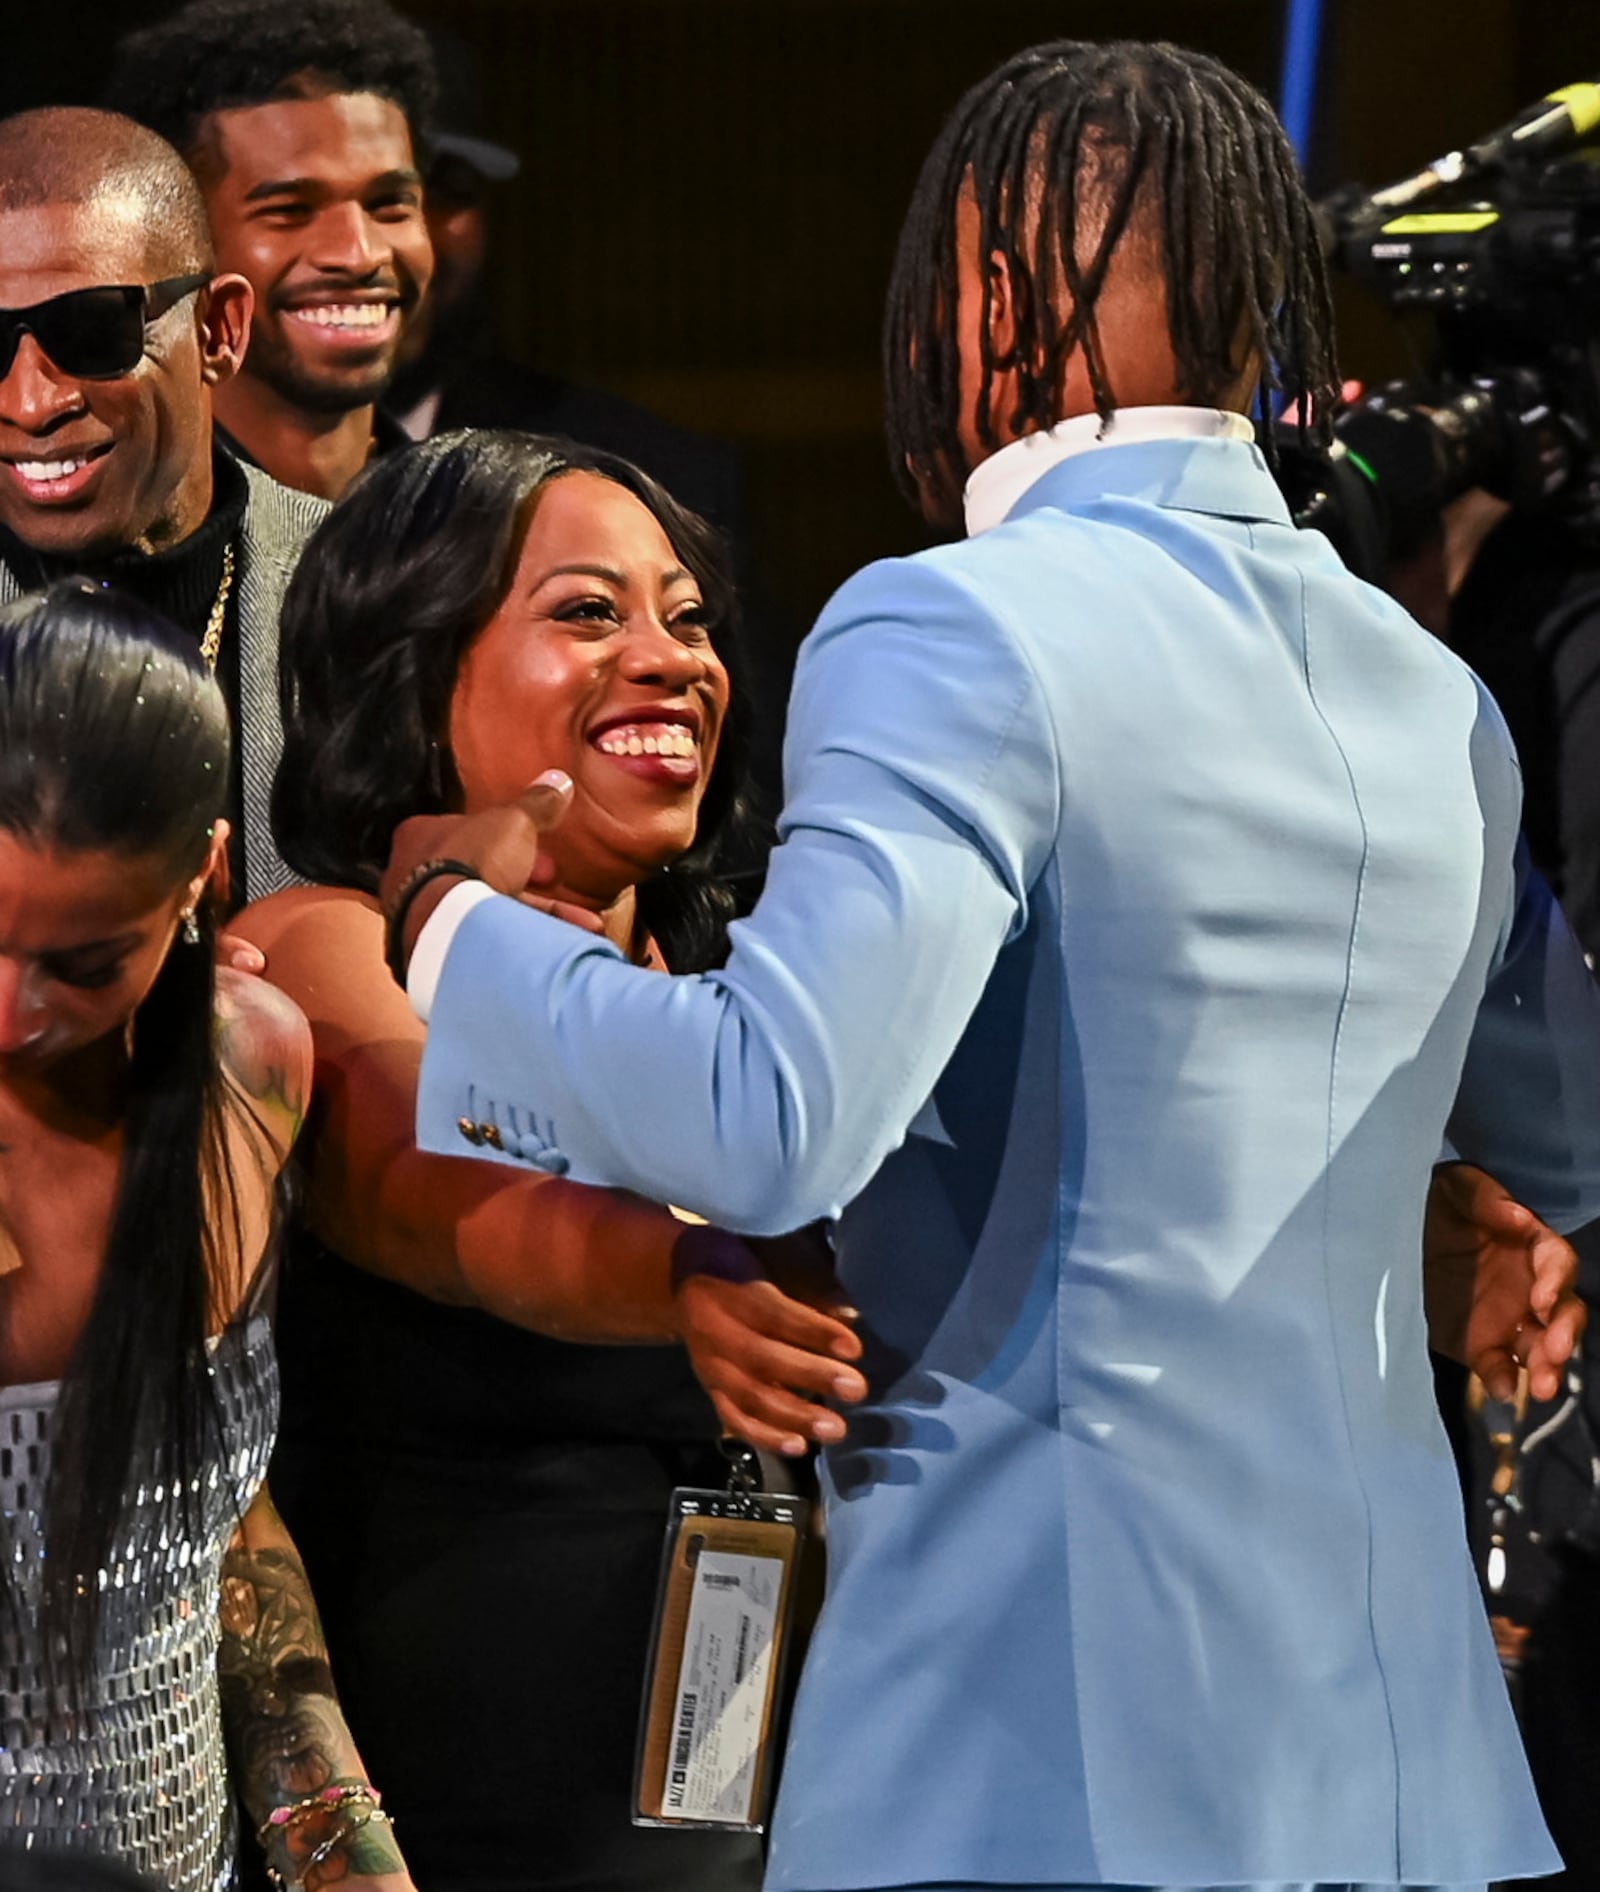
{"points": [[137, 1772]]}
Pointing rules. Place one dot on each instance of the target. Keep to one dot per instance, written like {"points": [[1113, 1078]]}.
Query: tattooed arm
{"points": [[264, 1049], [287, 1738], [264, 1044]]}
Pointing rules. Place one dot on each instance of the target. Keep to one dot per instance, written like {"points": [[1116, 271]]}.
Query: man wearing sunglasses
{"points": [[301, 123], [115, 333]]}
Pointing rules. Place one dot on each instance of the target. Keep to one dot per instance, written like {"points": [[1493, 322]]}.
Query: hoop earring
{"points": [[191, 927]]}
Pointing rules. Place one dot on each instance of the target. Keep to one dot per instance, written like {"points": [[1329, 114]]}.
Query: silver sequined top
{"points": [[139, 1772]]}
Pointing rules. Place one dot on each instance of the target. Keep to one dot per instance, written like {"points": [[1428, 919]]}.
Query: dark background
{"points": [[711, 189]]}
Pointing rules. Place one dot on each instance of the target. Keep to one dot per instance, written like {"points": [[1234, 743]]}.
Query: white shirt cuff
{"points": [[434, 942]]}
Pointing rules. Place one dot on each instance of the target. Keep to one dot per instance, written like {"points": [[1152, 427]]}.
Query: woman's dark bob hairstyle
{"points": [[390, 591]]}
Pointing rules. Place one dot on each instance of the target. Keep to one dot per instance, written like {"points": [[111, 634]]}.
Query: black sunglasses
{"points": [[94, 334]]}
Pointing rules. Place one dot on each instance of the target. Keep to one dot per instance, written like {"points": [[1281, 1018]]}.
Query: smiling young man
{"points": [[116, 332], [302, 124]]}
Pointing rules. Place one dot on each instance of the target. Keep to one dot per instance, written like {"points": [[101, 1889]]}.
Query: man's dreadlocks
{"points": [[1072, 132]]}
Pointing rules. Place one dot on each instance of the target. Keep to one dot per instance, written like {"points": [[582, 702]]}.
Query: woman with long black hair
{"points": [[156, 1634]]}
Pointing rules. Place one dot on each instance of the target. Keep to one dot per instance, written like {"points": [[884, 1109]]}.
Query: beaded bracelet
{"points": [[281, 1821], [410, 887]]}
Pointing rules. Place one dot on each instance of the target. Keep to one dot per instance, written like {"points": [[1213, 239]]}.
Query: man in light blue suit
{"points": [[1145, 917]]}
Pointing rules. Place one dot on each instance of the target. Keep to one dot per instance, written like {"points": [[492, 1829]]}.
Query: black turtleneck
{"points": [[181, 581]]}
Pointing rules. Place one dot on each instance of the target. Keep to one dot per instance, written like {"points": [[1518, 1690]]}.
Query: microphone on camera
{"points": [[1545, 129], [1550, 126]]}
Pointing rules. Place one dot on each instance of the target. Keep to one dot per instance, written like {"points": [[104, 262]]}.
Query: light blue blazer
{"points": [[1144, 917]]}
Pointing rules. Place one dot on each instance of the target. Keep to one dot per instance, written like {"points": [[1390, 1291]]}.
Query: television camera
{"points": [[1501, 242]]}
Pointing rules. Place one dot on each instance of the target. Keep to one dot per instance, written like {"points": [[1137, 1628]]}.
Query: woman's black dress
{"points": [[481, 1512]]}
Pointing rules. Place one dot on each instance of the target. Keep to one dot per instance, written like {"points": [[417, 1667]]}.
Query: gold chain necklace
{"points": [[211, 643]]}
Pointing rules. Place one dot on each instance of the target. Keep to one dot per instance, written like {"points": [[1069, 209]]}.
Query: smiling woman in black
{"points": [[481, 1501]]}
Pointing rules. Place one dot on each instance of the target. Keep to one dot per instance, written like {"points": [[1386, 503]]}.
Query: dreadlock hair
{"points": [[216, 55], [1068, 135]]}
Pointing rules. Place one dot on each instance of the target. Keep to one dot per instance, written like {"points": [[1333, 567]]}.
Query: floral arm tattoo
{"points": [[287, 1738], [258, 1036]]}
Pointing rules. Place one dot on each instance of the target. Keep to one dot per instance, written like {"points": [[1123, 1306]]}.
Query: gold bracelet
{"points": [[352, 1825], [338, 1800]]}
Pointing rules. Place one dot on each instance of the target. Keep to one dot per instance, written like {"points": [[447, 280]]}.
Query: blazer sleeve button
{"points": [[490, 1134], [469, 1129]]}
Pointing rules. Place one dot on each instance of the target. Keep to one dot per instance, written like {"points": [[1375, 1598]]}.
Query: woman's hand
{"points": [[767, 1354], [1497, 1285], [236, 954]]}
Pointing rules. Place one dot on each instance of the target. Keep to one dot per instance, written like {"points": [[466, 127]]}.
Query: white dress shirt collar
{"points": [[995, 486]]}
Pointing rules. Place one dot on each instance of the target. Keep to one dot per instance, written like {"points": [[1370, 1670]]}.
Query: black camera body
{"points": [[1508, 262]]}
